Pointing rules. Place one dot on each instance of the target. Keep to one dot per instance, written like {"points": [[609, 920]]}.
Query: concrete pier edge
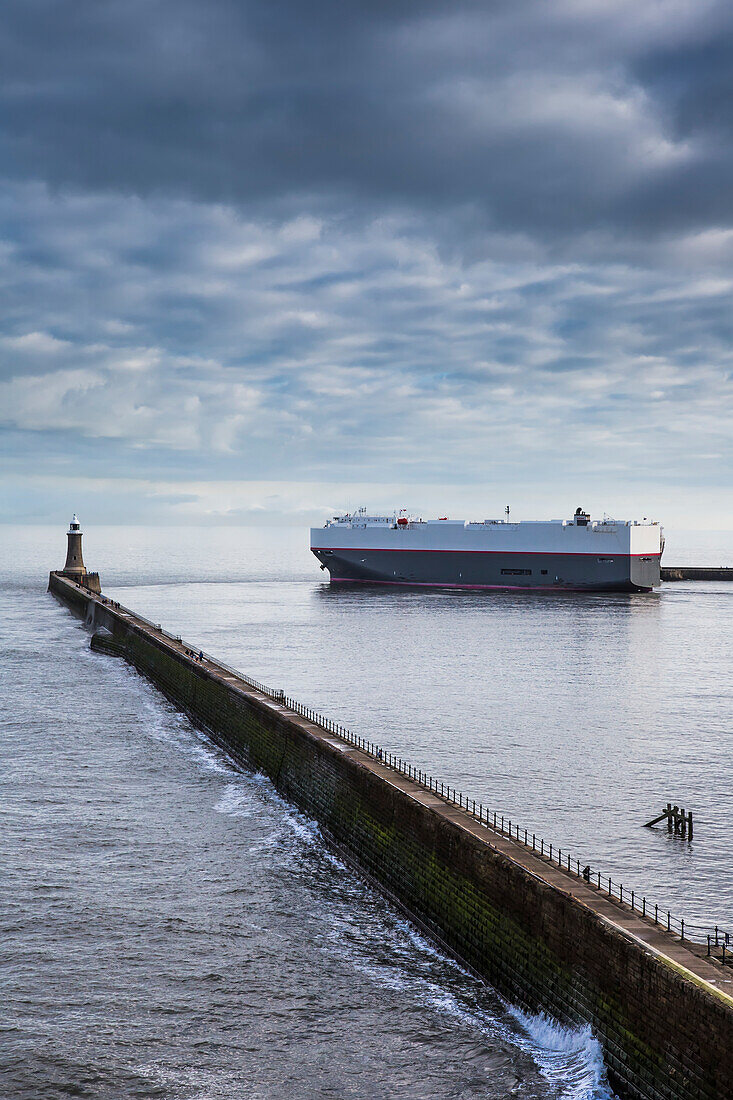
{"points": [[696, 573], [541, 937]]}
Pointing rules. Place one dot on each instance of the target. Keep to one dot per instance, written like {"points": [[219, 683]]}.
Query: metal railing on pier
{"points": [[717, 941]]}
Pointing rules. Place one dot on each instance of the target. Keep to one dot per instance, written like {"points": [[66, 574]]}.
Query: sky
{"points": [[261, 262]]}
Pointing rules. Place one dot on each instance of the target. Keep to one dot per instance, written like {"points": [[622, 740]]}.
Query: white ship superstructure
{"points": [[577, 553]]}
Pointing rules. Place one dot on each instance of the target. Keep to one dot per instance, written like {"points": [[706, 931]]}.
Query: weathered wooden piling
{"points": [[678, 821]]}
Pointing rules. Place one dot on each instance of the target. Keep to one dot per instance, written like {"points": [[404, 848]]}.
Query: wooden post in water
{"points": [[679, 821]]}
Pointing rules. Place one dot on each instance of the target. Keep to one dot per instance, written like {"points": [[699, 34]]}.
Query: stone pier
{"points": [[544, 938], [697, 573]]}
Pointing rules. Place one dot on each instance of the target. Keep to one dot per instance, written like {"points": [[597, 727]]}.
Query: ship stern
{"points": [[645, 557]]}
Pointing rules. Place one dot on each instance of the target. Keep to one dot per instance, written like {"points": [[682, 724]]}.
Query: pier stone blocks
{"points": [[541, 938]]}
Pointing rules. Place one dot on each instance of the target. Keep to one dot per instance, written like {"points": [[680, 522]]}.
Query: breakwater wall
{"points": [[543, 937], [697, 573]]}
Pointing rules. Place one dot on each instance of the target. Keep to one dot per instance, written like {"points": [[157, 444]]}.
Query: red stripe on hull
{"points": [[457, 550]]}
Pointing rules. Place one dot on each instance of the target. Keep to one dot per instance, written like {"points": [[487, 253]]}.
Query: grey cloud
{"points": [[264, 348], [370, 241], [550, 119]]}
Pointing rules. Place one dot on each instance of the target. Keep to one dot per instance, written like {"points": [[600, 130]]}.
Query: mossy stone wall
{"points": [[664, 1038]]}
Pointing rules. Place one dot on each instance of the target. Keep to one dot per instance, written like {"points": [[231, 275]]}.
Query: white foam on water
{"points": [[166, 724], [297, 824], [209, 759], [237, 800], [570, 1058]]}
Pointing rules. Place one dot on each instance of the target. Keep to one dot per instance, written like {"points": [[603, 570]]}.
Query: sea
{"points": [[171, 928]]}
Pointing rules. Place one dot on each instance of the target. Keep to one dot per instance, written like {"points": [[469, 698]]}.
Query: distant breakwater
{"points": [[543, 937], [697, 573]]}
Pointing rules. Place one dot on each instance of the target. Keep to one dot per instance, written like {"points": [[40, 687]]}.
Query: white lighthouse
{"points": [[74, 561], [74, 566]]}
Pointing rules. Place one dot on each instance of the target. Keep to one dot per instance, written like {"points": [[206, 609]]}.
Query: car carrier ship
{"points": [[576, 554]]}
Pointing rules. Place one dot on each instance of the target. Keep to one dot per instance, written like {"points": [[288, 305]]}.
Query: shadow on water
{"points": [[406, 596]]}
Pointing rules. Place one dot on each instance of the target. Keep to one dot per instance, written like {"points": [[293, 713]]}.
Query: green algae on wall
{"points": [[664, 1038]]}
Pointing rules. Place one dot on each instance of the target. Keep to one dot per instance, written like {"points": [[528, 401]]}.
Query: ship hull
{"points": [[477, 570]]}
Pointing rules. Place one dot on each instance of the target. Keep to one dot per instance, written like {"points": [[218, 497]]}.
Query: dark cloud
{"points": [[550, 119], [246, 242]]}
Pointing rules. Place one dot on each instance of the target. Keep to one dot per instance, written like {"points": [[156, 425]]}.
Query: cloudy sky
{"points": [[262, 260]]}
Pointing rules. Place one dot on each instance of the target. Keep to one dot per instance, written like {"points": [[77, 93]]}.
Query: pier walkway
{"points": [[543, 935], [686, 955]]}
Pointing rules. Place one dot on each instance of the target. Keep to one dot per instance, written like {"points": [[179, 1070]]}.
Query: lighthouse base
{"points": [[90, 581]]}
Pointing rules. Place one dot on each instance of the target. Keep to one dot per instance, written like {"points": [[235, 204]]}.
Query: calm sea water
{"points": [[171, 928]]}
